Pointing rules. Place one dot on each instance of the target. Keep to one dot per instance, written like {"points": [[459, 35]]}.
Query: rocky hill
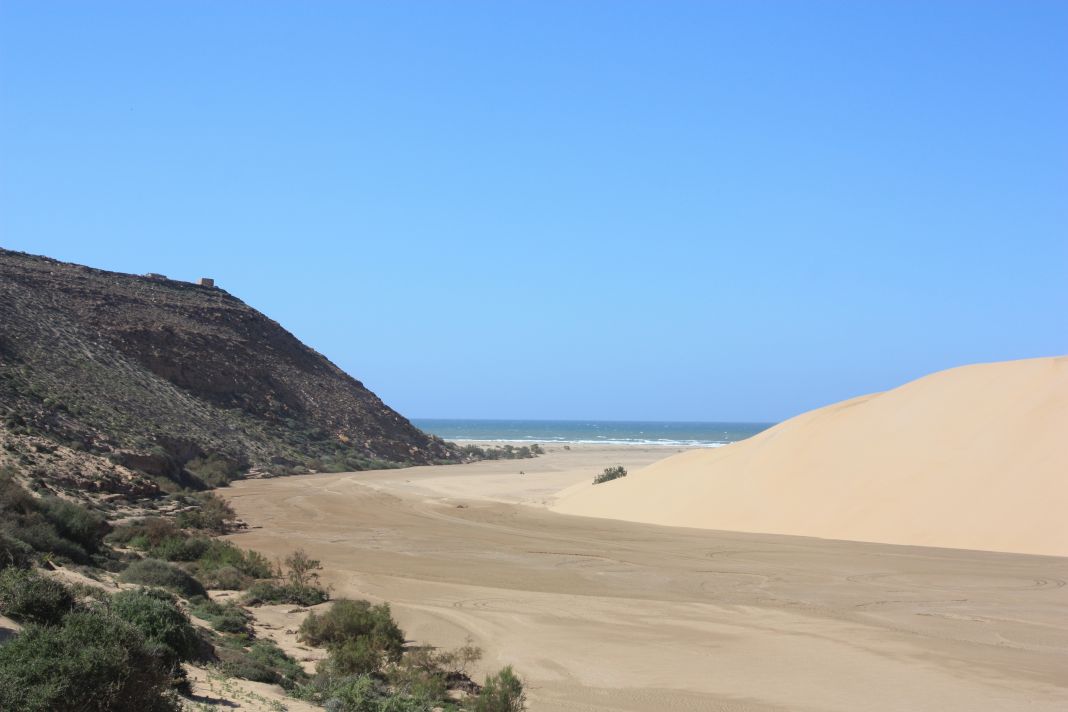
{"points": [[130, 384]]}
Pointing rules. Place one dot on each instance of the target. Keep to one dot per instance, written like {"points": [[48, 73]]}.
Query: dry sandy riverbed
{"points": [[606, 615]]}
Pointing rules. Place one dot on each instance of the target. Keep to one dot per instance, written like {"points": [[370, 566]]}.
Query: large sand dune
{"points": [[972, 458]]}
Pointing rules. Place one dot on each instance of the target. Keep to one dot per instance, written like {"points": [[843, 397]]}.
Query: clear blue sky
{"points": [[626, 210]]}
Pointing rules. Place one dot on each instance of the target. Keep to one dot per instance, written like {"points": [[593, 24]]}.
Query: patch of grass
{"points": [[156, 573]]}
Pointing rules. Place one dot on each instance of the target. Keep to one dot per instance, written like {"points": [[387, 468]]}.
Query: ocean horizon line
{"points": [[593, 432]]}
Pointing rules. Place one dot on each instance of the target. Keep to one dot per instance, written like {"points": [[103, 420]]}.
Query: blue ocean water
{"points": [[605, 432]]}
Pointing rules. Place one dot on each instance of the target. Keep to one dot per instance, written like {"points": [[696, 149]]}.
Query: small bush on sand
{"points": [[152, 572], [156, 614], [350, 621], [210, 513], [225, 578], [223, 617], [502, 692], [297, 582], [610, 473], [29, 597], [180, 548], [145, 533], [264, 661], [216, 470], [266, 592], [219, 554], [92, 662]]}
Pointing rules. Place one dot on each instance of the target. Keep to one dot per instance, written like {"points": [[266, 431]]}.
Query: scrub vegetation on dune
{"points": [[609, 474]]}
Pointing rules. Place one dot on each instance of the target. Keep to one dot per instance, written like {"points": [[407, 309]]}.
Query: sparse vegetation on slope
{"points": [[118, 383], [609, 474]]}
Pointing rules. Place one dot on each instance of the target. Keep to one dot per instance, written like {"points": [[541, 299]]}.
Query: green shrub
{"points": [[216, 470], [145, 533], [153, 572], [75, 523], [180, 548], [356, 657], [48, 525], [610, 473], [349, 621], [225, 578], [263, 662], [263, 592], [42, 537], [219, 554], [29, 597], [210, 513], [502, 692], [225, 618], [355, 694], [156, 614], [299, 583], [92, 662], [14, 552]]}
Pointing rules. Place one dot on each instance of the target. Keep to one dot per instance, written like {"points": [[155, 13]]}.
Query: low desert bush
{"points": [[29, 597], [92, 662], [225, 578], [216, 470], [223, 617], [156, 614], [75, 523], [153, 572], [266, 592], [209, 512], [219, 554], [14, 552], [295, 582], [348, 622], [46, 525], [502, 692], [264, 661], [609, 474], [145, 533], [180, 548]]}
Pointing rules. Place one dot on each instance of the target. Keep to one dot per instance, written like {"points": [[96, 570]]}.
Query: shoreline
{"points": [[685, 445]]}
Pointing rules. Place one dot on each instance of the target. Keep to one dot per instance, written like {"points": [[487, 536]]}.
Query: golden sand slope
{"points": [[973, 458]]}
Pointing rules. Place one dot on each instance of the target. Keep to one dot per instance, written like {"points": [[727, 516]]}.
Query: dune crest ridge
{"points": [[974, 457]]}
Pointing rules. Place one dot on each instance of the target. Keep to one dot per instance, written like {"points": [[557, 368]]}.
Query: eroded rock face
{"points": [[152, 374]]}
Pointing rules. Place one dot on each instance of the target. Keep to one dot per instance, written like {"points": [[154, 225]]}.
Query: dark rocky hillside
{"points": [[127, 384]]}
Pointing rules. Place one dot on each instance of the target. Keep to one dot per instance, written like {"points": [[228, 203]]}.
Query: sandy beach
{"points": [[602, 615]]}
